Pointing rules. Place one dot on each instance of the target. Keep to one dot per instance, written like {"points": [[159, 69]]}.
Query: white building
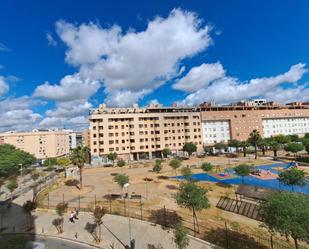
{"points": [[216, 131]]}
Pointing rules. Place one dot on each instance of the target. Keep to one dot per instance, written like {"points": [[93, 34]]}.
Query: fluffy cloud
{"points": [[50, 39], [227, 89], [200, 77], [4, 87], [132, 61], [71, 87], [16, 113]]}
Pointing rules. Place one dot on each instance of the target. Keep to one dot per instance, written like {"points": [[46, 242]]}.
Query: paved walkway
{"points": [[115, 229]]}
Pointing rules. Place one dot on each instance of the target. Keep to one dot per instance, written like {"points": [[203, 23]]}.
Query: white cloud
{"points": [[4, 87], [200, 77], [50, 39], [4, 48], [228, 89], [16, 113], [124, 98], [71, 87], [134, 60]]}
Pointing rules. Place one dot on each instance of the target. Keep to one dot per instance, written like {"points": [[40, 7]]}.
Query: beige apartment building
{"points": [[134, 132], [42, 144]]}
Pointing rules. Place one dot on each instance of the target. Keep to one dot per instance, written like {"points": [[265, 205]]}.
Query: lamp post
{"points": [[132, 242], [21, 170]]}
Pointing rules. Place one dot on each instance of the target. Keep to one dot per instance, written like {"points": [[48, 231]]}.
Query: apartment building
{"points": [[135, 132], [222, 123], [42, 144]]}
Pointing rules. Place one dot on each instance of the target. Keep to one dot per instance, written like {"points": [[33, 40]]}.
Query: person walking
{"points": [[71, 218]]}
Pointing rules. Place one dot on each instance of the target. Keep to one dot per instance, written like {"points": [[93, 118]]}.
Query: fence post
{"points": [[110, 205], [48, 200], [124, 207], [164, 213], [78, 202], [271, 242], [95, 200], [141, 205], [226, 236], [63, 198]]}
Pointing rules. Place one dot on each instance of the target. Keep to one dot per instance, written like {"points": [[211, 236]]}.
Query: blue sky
{"points": [[59, 59]]}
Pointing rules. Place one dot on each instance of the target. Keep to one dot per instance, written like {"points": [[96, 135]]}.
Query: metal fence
{"points": [[226, 235]]}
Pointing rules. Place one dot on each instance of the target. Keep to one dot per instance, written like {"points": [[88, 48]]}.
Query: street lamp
{"points": [[21, 170], [132, 242]]}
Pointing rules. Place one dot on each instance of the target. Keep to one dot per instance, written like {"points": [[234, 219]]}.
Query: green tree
{"points": [[80, 156], [282, 139], [121, 179], [121, 163], [157, 166], [306, 144], [306, 136], [263, 144], [292, 177], [242, 170], [50, 162], [11, 159], [181, 238], [61, 209], [186, 173], [28, 207], [274, 145], [112, 156], [294, 147], [288, 214], [192, 197], [254, 138], [166, 152], [207, 167], [98, 214], [244, 145], [221, 146], [175, 164], [293, 138], [189, 148], [63, 161], [234, 144]]}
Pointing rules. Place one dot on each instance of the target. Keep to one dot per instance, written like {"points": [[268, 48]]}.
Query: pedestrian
{"points": [[71, 218], [75, 214]]}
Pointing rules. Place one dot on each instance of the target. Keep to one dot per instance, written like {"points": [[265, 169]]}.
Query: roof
{"points": [[254, 192]]}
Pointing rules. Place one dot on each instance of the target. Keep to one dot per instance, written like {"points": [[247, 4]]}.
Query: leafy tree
{"points": [[28, 207], [121, 179], [306, 136], [207, 167], [189, 148], [12, 185], [61, 209], [166, 152], [294, 147], [50, 162], [112, 156], [306, 144], [274, 145], [282, 139], [181, 238], [263, 144], [220, 146], [63, 161], [186, 172], [292, 177], [11, 159], [288, 214], [121, 163], [208, 150], [98, 214], [293, 138], [157, 166], [175, 164], [235, 144], [244, 145], [192, 197], [242, 170], [80, 156], [254, 138]]}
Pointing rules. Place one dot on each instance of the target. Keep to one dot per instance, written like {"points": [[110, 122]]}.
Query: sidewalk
{"points": [[115, 229]]}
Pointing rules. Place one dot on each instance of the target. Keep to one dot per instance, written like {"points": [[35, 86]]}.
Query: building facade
{"points": [[42, 144], [138, 132], [135, 132]]}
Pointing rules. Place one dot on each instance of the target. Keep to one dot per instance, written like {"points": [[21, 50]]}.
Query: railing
{"points": [[227, 235]]}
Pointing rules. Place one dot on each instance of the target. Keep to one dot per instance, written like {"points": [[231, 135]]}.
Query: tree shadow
{"points": [[165, 218], [163, 177], [224, 185], [234, 239], [151, 246], [90, 228], [171, 187], [72, 183]]}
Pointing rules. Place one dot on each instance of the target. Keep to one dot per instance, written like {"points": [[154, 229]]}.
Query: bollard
{"points": [[132, 244]]}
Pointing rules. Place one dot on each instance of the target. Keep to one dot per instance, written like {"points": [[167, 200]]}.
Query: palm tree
{"points": [[244, 145], [263, 143], [80, 156], [254, 138], [274, 145]]}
